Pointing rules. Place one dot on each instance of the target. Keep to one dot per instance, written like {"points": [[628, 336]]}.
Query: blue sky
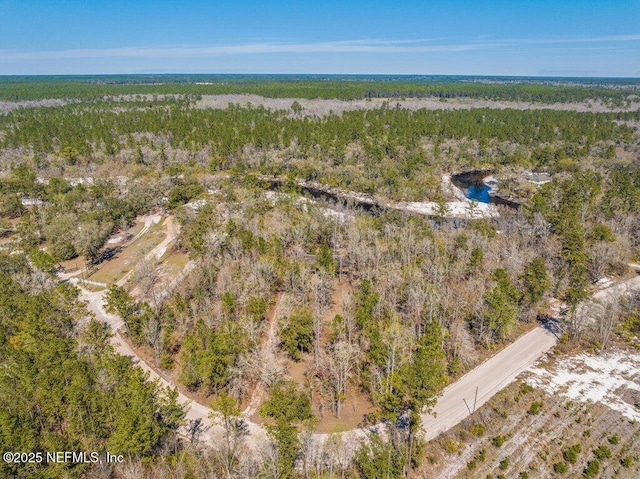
{"points": [[516, 37]]}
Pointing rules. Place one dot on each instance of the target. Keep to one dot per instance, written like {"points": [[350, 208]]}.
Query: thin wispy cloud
{"points": [[351, 46], [559, 40], [348, 46]]}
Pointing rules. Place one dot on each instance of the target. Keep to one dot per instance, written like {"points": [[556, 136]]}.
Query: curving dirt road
{"points": [[95, 303]]}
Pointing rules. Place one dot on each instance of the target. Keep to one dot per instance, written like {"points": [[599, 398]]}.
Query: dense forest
{"points": [[393, 152], [615, 91], [289, 312], [63, 388]]}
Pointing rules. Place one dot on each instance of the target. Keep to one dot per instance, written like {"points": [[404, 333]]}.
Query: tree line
{"points": [[350, 88]]}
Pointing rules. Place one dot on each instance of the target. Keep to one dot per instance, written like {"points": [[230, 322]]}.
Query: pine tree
{"points": [[287, 408]]}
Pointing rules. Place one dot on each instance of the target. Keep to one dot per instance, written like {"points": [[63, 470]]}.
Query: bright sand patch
{"points": [[612, 379]]}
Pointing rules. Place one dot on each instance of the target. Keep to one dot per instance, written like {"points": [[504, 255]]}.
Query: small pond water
{"points": [[479, 193], [472, 185], [474, 188]]}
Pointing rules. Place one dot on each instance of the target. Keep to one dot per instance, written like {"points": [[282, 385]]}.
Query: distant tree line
{"points": [[26, 88]]}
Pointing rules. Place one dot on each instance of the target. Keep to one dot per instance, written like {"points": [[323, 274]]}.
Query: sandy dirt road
{"points": [[490, 377], [457, 400], [148, 220], [194, 410]]}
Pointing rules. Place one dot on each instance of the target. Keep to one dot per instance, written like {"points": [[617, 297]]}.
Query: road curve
{"points": [[194, 410]]}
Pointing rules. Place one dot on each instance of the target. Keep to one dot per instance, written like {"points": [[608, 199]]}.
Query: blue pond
{"points": [[472, 183], [478, 192]]}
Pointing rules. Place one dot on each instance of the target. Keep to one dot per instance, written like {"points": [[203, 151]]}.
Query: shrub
{"points": [[602, 452], [454, 367], [450, 446], [482, 455], [535, 408], [504, 464], [626, 461], [526, 388], [560, 467], [614, 440], [571, 454], [166, 361], [592, 469], [602, 232], [498, 441], [478, 429]]}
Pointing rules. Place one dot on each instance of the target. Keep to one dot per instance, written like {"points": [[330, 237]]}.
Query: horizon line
{"points": [[257, 74]]}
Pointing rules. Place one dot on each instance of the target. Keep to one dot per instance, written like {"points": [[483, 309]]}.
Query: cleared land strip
{"points": [[322, 107]]}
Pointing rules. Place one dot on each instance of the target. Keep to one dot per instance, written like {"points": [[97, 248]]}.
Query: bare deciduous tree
{"points": [[152, 330], [341, 362], [235, 429], [607, 321], [146, 274]]}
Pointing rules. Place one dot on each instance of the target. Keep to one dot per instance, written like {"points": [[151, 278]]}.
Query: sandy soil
{"points": [[597, 379], [321, 107], [579, 397]]}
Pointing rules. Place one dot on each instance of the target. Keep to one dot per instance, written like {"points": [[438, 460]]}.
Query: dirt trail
{"points": [[148, 221], [268, 353], [195, 410], [595, 306]]}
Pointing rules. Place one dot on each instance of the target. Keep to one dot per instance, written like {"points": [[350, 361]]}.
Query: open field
{"points": [[322, 107], [125, 261]]}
